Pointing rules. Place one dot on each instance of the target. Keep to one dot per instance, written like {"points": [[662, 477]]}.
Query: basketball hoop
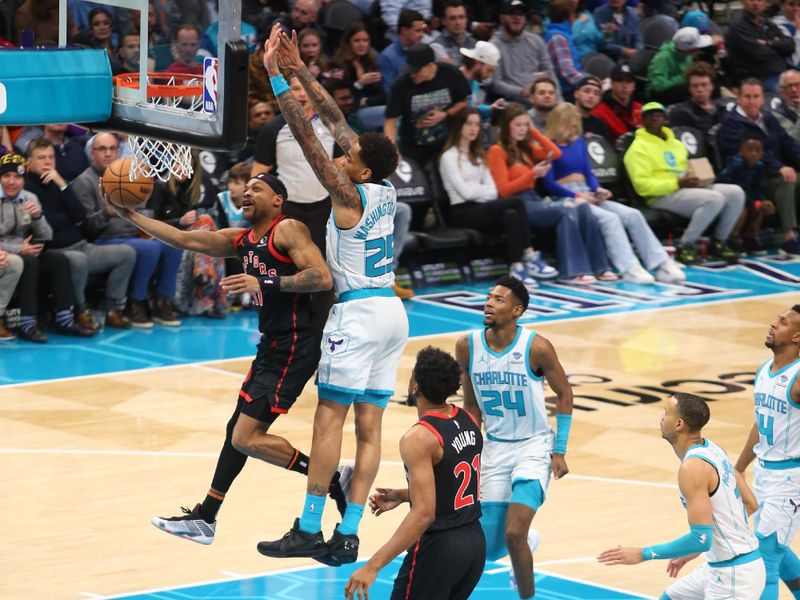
{"points": [[167, 92]]}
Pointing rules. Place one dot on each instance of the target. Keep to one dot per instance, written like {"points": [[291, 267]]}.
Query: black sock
{"points": [[210, 506], [299, 463]]}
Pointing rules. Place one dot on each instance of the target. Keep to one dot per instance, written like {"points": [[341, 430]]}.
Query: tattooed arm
{"points": [[326, 107], [293, 237], [344, 194]]}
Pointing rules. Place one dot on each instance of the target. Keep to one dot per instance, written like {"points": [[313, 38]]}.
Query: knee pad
{"points": [[493, 522]]}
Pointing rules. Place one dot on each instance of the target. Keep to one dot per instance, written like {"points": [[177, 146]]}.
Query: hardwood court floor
{"points": [[87, 462]]}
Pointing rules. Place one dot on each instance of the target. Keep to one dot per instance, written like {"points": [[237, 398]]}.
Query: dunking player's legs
{"points": [[518, 523], [368, 459], [326, 449]]}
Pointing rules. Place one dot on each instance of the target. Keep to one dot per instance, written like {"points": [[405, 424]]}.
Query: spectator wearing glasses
{"points": [[105, 227], [787, 111], [186, 43]]}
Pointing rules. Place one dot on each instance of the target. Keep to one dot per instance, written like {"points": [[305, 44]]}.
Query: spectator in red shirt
{"points": [[187, 41], [618, 108]]}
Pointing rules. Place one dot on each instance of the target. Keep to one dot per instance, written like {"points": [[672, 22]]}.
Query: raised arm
{"points": [[326, 107], [213, 243], [333, 179]]}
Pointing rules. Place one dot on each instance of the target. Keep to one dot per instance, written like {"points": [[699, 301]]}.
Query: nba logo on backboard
{"points": [[209, 84]]}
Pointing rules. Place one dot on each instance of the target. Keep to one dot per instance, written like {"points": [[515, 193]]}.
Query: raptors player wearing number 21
{"points": [[504, 366], [367, 329]]}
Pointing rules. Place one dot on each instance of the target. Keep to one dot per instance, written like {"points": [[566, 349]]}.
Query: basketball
{"points": [[123, 191]]}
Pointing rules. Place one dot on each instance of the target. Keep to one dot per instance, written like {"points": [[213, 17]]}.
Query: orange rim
{"points": [[164, 90]]}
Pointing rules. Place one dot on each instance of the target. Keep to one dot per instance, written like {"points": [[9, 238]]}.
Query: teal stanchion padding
{"points": [[54, 86]]}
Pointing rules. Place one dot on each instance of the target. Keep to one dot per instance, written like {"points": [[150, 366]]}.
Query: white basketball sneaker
{"points": [[190, 526], [533, 543]]}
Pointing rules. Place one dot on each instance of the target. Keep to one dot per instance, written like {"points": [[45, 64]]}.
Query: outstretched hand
{"points": [[289, 53], [271, 51]]}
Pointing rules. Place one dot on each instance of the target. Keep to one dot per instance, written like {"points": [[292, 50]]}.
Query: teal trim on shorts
{"points": [[780, 465], [379, 400], [366, 293], [742, 559], [337, 394], [527, 492]]}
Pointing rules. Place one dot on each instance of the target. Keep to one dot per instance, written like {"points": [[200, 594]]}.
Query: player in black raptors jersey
{"points": [[282, 266], [442, 532]]}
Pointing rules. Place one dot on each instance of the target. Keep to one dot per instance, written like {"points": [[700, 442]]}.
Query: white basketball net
{"points": [[159, 159], [156, 158]]}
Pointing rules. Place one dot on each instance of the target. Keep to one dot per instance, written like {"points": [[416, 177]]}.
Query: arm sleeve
{"points": [[781, 43], [741, 39], [394, 103], [496, 159], [638, 165], [97, 217], [697, 540], [451, 175]]}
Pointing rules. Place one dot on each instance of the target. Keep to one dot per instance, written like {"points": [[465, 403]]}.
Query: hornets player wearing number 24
{"points": [[367, 329], [775, 441], [503, 370], [717, 519]]}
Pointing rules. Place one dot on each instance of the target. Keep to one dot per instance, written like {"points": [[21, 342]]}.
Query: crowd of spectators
{"points": [[496, 103]]}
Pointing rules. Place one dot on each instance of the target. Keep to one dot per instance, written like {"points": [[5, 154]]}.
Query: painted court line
{"points": [[624, 314], [198, 454], [235, 577]]}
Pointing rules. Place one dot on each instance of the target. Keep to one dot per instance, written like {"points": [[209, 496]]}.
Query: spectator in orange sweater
{"points": [[521, 155]]}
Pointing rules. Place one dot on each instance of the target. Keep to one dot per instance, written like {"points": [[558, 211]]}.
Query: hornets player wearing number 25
{"points": [[775, 441], [717, 519], [503, 370], [367, 328]]}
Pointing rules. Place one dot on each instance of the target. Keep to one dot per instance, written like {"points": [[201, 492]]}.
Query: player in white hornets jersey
{"points": [[775, 441], [367, 329], [503, 369], [717, 519]]}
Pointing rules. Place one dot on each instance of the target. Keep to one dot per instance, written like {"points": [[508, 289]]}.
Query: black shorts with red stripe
{"points": [[443, 565], [279, 372]]}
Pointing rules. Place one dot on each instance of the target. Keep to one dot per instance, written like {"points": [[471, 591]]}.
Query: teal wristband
{"points": [[279, 85], [563, 425]]}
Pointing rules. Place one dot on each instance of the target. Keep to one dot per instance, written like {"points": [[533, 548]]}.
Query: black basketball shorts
{"points": [[445, 565]]}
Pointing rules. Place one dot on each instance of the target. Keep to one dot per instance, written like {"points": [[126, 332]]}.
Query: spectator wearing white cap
{"points": [[666, 79], [478, 66], [455, 36], [757, 47]]}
